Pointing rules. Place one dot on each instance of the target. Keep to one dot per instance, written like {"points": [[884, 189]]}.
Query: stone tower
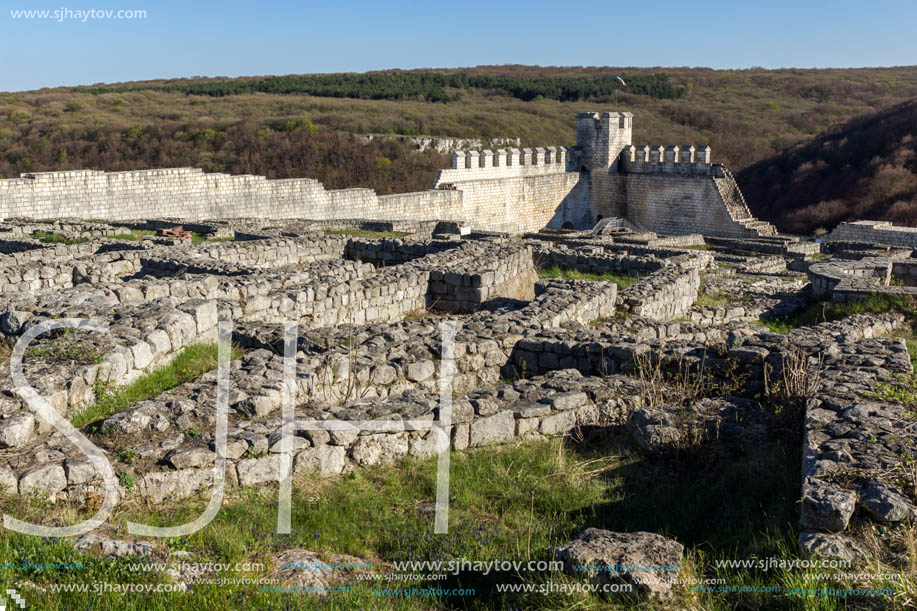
{"points": [[602, 138]]}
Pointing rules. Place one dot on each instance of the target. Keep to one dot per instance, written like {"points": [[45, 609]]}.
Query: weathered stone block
{"points": [[16, 430], [47, 479], [498, 428]]}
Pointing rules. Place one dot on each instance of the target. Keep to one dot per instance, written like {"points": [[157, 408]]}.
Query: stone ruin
{"points": [[534, 357]]}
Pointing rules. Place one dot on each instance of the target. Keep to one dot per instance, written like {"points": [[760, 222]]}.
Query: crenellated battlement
{"points": [[554, 156], [507, 163], [685, 160]]}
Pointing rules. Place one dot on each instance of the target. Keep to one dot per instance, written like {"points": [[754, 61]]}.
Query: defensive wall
{"points": [[670, 190]]}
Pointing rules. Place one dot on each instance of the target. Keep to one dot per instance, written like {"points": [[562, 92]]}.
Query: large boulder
{"points": [[886, 503], [826, 506], [831, 546], [47, 479], [16, 431], [729, 422], [146, 415], [646, 561], [498, 428], [318, 573]]}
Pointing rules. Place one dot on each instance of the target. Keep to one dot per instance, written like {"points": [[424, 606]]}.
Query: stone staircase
{"points": [[738, 208], [615, 224]]}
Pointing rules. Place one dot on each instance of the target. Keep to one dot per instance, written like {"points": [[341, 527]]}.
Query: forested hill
{"points": [[863, 169], [427, 86], [302, 125]]}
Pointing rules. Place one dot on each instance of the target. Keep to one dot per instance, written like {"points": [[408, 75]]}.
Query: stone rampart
{"points": [[669, 190]]}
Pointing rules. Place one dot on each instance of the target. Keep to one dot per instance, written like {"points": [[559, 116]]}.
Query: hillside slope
{"points": [[273, 126], [863, 169]]}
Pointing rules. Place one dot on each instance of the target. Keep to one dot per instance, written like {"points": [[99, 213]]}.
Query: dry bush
{"points": [[789, 389], [673, 381]]}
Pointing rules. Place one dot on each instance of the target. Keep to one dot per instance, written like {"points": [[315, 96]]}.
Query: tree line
{"points": [[429, 86]]}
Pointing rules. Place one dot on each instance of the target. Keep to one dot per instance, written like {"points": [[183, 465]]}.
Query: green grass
{"points": [[572, 274], [48, 237], [60, 349], [134, 235], [904, 388], [711, 299], [193, 361], [824, 311], [365, 233], [515, 502], [198, 238]]}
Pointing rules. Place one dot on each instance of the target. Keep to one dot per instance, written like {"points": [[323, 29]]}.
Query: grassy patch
{"points": [[134, 235], [199, 238], [515, 502], [711, 299], [48, 237], [60, 349], [904, 388], [572, 274], [824, 311], [193, 361], [421, 315], [365, 233]]}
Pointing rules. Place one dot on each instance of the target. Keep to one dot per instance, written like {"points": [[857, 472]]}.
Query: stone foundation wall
{"points": [[393, 251], [144, 338], [875, 232], [595, 262], [846, 280], [664, 295], [528, 409], [512, 276]]}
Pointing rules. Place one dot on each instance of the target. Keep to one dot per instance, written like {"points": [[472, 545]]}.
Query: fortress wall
{"points": [[510, 198], [665, 203], [513, 199], [529, 189], [189, 193], [421, 206], [525, 203], [672, 190], [517, 190]]}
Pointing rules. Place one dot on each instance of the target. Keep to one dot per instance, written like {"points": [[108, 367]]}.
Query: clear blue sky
{"points": [[233, 38]]}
